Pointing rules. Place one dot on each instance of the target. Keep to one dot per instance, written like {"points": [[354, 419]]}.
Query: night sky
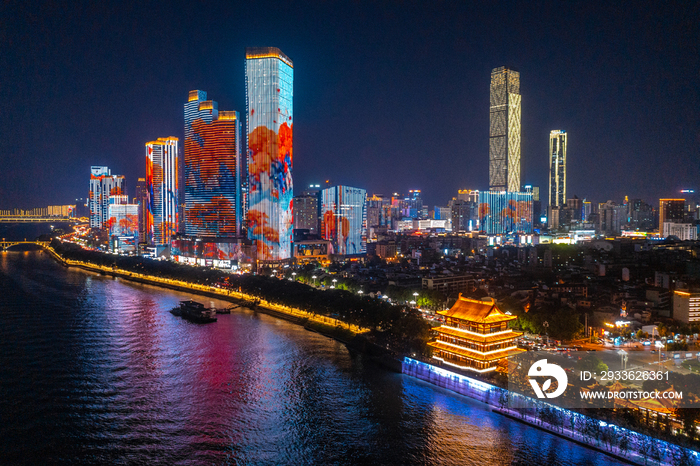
{"points": [[387, 96]]}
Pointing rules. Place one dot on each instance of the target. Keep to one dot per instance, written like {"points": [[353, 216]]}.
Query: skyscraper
{"points": [[670, 211], [102, 185], [504, 130], [557, 168], [344, 219], [213, 206], [142, 201], [162, 177], [269, 112]]}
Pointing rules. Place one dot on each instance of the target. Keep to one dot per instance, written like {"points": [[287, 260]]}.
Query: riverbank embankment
{"points": [[353, 336]]}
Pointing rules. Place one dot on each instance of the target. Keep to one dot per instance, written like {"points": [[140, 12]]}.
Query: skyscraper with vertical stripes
{"points": [[162, 177], [504, 130], [269, 117], [102, 185], [213, 166]]}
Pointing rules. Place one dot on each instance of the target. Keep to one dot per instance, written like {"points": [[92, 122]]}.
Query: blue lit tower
{"points": [[269, 111]]}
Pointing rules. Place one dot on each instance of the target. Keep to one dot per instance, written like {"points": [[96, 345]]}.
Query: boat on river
{"points": [[194, 312]]}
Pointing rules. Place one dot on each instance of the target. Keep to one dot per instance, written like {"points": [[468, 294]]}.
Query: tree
{"points": [[591, 364]]}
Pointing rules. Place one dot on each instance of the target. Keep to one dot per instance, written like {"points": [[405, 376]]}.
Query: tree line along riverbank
{"points": [[400, 329]]}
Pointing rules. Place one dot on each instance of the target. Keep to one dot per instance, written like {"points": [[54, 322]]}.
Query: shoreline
{"points": [[350, 335], [331, 328]]}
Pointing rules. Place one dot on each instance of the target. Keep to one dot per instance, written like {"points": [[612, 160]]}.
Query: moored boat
{"points": [[195, 312]]}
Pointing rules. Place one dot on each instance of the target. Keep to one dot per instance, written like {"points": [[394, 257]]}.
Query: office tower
{"points": [[575, 208], [343, 219], [611, 217], [142, 202], [505, 212], [557, 168], [306, 212], [536, 204], [468, 195], [162, 185], [670, 211], [586, 210], [462, 215], [213, 206], [269, 112], [504, 130], [123, 224], [102, 185]]}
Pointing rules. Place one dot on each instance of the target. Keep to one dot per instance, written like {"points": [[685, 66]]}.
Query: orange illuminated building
{"points": [[475, 336]]}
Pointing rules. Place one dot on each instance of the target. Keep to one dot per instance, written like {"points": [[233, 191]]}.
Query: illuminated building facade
{"points": [[504, 130], [343, 219], [670, 211], [505, 212], [102, 185], [162, 177], [210, 252], [270, 124], [557, 168], [123, 224], [475, 336], [142, 202], [213, 205], [686, 306]]}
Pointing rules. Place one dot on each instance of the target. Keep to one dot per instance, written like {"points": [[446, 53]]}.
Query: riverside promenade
{"points": [[292, 314]]}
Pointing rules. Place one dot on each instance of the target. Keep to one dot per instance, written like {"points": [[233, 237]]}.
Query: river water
{"points": [[95, 370]]}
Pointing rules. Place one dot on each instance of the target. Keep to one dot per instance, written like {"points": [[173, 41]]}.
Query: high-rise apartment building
{"points": [[344, 219], [102, 185], [213, 166], [504, 130], [306, 212], [670, 211], [557, 168], [270, 124], [162, 164], [142, 202]]}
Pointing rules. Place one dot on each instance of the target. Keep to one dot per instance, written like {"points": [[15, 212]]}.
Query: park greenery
{"points": [[401, 328]]}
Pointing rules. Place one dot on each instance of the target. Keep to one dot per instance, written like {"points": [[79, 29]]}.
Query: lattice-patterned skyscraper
{"points": [[557, 168], [269, 112], [504, 131]]}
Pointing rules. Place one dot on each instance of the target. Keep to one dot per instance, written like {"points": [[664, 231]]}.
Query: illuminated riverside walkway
{"points": [[210, 290], [640, 448]]}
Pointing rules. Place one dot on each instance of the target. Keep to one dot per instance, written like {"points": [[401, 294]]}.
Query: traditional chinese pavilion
{"points": [[475, 336]]}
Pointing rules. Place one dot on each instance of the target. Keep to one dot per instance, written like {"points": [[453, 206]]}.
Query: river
{"points": [[95, 370]]}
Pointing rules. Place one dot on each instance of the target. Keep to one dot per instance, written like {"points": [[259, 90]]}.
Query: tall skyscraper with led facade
{"points": [[141, 201], [344, 219], [505, 212], [213, 206], [102, 185], [557, 168], [504, 130], [269, 118], [162, 177]]}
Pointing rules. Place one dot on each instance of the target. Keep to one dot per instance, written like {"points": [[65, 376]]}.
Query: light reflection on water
{"points": [[95, 370]]}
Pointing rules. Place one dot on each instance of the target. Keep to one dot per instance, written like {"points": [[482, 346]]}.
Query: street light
{"points": [[294, 276], [333, 285], [360, 292], [412, 303], [314, 277]]}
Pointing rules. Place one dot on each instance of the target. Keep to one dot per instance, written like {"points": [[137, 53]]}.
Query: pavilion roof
{"points": [[473, 310]]}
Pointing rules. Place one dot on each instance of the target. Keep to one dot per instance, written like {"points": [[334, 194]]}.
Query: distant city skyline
{"points": [[388, 99]]}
